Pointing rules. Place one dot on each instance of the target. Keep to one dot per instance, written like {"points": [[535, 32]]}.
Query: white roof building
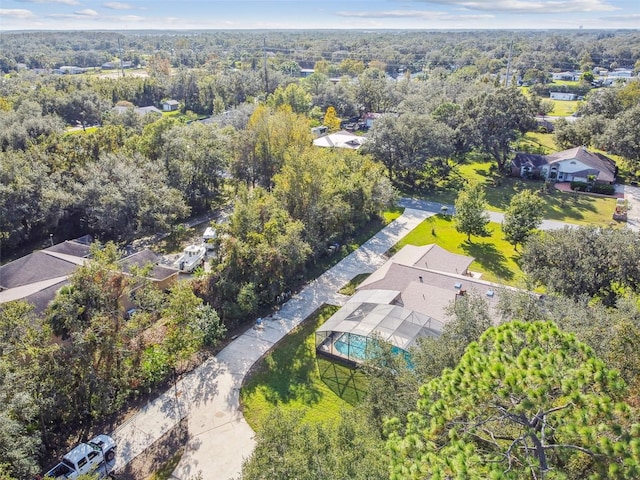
{"points": [[341, 139]]}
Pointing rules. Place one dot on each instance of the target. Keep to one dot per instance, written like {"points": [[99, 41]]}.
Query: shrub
{"points": [[603, 188], [579, 186]]}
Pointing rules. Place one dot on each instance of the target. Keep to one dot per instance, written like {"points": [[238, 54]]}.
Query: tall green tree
{"points": [[525, 401], [27, 385], [289, 449], [270, 137], [496, 119], [196, 156], [293, 95], [584, 261], [522, 217], [622, 138], [121, 196], [411, 145], [471, 217]]}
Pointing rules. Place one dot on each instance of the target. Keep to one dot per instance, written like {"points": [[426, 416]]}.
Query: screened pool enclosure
{"points": [[352, 332]]}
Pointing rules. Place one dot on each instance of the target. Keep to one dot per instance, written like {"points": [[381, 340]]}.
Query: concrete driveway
{"points": [[632, 195], [219, 437]]}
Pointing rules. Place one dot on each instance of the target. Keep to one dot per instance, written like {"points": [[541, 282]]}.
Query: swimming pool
{"points": [[352, 346]]}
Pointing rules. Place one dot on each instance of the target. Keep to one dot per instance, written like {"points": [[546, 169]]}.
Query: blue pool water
{"points": [[354, 347]]}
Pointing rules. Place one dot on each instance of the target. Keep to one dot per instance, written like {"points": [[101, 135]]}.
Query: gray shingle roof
{"points": [[35, 267]]}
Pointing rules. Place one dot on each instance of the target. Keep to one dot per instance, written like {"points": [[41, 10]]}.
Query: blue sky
{"points": [[315, 14]]}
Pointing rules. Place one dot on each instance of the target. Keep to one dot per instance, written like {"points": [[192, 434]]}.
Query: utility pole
{"points": [[507, 78], [266, 79]]}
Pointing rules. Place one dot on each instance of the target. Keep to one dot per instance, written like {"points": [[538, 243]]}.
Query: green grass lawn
{"points": [[564, 207], [544, 141], [494, 257], [291, 377], [573, 83], [350, 288], [564, 108]]}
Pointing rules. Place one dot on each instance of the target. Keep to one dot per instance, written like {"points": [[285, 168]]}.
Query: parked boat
{"points": [[191, 258]]}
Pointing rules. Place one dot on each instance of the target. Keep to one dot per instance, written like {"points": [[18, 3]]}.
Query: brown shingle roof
{"points": [[597, 161]]}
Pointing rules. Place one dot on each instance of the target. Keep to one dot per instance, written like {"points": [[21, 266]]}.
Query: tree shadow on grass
{"points": [[491, 259], [566, 206], [285, 374], [342, 380], [293, 378]]}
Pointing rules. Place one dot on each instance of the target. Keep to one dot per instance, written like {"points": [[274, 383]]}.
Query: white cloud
{"points": [[16, 13], [63, 2], [421, 14], [391, 14], [117, 6], [530, 7], [87, 12]]}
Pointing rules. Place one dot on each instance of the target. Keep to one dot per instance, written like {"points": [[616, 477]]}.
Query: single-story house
{"points": [[576, 164], [142, 111], [37, 277], [566, 76], [70, 70], [545, 124], [341, 139], [563, 96], [404, 300], [117, 64], [161, 276], [170, 105]]}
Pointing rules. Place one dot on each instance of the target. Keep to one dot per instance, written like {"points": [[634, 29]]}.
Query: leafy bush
{"points": [[579, 186], [155, 365], [603, 188]]}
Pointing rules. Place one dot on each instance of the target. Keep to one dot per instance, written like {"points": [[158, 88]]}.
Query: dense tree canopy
{"points": [[584, 261], [526, 400], [497, 119]]}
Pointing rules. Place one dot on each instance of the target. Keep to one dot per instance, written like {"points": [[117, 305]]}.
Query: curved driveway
{"points": [[219, 437]]}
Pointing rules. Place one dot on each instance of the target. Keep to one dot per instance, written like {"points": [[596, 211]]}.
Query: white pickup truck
{"points": [[95, 456]]}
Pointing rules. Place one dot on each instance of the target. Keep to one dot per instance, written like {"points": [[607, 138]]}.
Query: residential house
{"points": [[117, 64], [404, 300], [576, 164], [69, 70], [142, 111], [566, 76], [170, 105], [341, 139], [545, 124], [319, 131], [562, 96], [145, 261], [37, 277]]}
